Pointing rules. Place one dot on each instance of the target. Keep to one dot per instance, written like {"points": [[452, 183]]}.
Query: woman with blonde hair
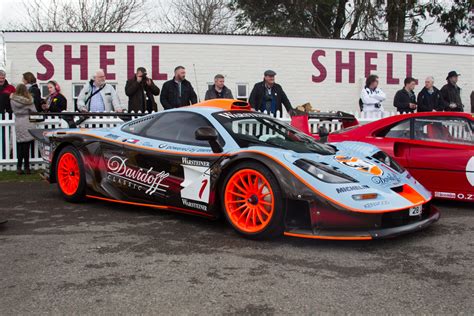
{"points": [[22, 104]]}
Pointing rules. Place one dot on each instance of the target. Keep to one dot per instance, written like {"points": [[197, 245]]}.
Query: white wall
{"points": [[243, 59]]}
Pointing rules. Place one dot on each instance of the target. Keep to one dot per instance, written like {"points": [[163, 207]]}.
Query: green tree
{"points": [[322, 18], [455, 19]]}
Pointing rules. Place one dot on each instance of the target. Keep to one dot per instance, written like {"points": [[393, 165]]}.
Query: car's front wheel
{"points": [[70, 175], [253, 202]]}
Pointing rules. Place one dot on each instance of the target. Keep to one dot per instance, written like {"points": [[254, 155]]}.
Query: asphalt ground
{"points": [[102, 258]]}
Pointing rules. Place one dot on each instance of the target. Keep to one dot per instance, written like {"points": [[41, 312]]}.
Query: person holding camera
{"points": [[371, 96], [141, 91], [405, 99], [98, 96]]}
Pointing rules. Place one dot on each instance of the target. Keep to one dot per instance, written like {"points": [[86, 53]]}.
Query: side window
{"points": [[400, 130], [178, 127], [444, 129]]}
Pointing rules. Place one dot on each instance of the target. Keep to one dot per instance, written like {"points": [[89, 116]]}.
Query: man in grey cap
{"points": [[268, 96], [451, 93]]}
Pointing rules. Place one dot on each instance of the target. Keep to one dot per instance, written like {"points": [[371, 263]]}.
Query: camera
{"points": [[144, 77], [377, 105]]}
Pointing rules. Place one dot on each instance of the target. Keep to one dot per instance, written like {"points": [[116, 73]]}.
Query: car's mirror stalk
{"points": [[323, 134], [210, 134]]}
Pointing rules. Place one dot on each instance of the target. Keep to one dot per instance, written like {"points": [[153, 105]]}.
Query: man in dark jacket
{"points": [[5, 90], [177, 92], [141, 91], [30, 81], [451, 93], [268, 96], [218, 90], [405, 100], [429, 99]]}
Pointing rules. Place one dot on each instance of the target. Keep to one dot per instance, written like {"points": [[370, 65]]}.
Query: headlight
{"points": [[323, 172], [389, 161]]}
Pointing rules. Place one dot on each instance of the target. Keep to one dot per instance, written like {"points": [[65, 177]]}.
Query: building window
{"points": [[76, 89], [242, 91], [44, 90]]}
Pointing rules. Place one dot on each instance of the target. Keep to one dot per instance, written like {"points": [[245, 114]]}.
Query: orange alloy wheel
{"points": [[68, 174], [249, 200]]}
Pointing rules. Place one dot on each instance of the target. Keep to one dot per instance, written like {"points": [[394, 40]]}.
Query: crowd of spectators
{"points": [[428, 99], [266, 96]]}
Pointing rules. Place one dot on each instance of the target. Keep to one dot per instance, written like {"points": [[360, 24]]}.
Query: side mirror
{"points": [[323, 134], [210, 134]]}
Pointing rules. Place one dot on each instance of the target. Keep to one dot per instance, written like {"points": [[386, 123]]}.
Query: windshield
{"points": [[257, 129]]}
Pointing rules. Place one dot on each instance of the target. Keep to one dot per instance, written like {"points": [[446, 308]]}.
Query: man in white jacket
{"points": [[98, 96], [371, 97]]}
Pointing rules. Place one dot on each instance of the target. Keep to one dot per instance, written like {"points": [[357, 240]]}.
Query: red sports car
{"points": [[436, 147]]}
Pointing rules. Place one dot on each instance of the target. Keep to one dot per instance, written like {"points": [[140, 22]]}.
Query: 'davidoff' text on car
{"points": [[221, 158]]}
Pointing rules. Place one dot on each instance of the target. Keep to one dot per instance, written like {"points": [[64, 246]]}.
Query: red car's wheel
{"points": [[252, 201], [70, 175]]}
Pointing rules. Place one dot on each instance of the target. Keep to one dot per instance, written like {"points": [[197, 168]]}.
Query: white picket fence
{"points": [[8, 154]]}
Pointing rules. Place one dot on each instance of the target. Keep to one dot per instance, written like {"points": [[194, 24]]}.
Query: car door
{"points": [[442, 156], [173, 168], [394, 140]]}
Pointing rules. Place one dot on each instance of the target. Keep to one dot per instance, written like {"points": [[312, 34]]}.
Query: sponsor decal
{"points": [[390, 179], [131, 141], [137, 178], [46, 152], [446, 195], [233, 115], [452, 195], [376, 203], [193, 162], [195, 205], [185, 149], [467, 196], [112, 136], [196, 183], [352, 188], [360, 165], [147, 144]]}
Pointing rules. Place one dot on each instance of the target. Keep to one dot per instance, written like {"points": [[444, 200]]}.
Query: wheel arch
{"points": [[288, 184]]}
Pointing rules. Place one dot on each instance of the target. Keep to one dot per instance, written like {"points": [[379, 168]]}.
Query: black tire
{"points": [[275, 226], [80, 193]]}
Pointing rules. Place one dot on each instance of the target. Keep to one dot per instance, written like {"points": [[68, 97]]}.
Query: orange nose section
{"points": [[411, 195]]}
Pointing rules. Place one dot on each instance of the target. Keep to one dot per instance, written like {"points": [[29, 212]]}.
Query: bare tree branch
{"points": [[198, 16], [82, 15]]}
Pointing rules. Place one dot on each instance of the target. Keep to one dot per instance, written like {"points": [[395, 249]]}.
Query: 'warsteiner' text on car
{"points": [[221, 158]]}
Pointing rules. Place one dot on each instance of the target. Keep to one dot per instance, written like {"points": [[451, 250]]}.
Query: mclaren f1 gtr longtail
{"points": [[220, 157]]}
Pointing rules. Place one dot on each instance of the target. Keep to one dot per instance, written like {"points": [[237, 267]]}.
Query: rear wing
{"points": [[346, 119], [300, 120]]}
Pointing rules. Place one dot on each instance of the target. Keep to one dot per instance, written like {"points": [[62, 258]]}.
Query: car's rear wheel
{"points": [[70, 175], [252, 201]]}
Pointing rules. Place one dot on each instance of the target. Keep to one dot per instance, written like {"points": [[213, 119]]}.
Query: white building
{"points": [[328, 73]]}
